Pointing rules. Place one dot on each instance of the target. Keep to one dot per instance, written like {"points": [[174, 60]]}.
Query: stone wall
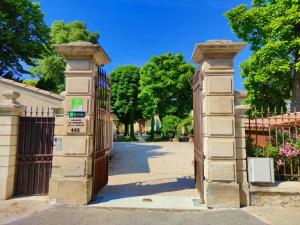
{"points": [[275, 199], [285, 194]]}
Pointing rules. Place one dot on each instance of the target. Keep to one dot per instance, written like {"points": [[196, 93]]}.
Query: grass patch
{"points": [[125, 139]]}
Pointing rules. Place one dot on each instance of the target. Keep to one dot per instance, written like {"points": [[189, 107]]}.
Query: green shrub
{"points": [[125, 139], [169, 126], [187, 124]]}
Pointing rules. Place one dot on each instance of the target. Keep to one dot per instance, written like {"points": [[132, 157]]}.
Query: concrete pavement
{"points": [[276, 215], [158, 168], [149, 202], [91, 216], [20, 207]]}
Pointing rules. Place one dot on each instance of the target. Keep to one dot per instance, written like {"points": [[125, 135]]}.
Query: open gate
{"points": [[102, 134], [35, 153], [198, 137]]}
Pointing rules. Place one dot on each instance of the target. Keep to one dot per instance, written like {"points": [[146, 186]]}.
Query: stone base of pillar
{"points": [[221, 195], [244, 194], [6, 187], [71, 191]]}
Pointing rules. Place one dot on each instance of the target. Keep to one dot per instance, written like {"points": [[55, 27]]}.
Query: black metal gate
{"points": [[102, 132], [35, 152], [198, 138]]}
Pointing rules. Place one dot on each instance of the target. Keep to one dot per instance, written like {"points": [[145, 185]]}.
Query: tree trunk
{"points": [[126, 129], [152, 128], [132, 124], [132, 130], [295, 103]]}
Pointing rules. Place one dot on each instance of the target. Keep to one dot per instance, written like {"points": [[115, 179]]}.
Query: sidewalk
{"points": [[18, 208], [276, 215], [97, 216], [37, 211]]}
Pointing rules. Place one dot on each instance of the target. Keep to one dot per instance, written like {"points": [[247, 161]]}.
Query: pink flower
{"points": [[295, 153], [288, 150], [280, 162]]}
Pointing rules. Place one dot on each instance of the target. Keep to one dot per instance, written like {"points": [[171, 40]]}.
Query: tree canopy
{"points": [[23, 36], [165, 87], [50, 69], [124, 95], [272, 28]]}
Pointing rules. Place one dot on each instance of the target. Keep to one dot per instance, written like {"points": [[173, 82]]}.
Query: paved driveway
{"points": [[160, 168], [91, 216]]}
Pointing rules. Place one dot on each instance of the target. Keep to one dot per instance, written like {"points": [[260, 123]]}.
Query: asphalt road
{"points": [[90, 216]]}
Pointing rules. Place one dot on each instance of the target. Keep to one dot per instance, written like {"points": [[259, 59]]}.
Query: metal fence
{"points": [[275, 134]]}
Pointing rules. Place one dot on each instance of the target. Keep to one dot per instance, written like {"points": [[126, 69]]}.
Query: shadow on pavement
{"points": [[143, 189]]}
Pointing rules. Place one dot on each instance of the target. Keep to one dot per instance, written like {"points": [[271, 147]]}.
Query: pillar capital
{"points": [[241, 109], [83, 50], [10, 105], [216, 49]]}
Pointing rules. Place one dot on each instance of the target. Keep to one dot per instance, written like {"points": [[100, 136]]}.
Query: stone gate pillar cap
{"points": [[11, 95], [82, 49], [216, 49]]}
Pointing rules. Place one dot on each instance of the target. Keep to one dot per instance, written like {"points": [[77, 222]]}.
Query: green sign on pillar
{"points": [[77, 104]]}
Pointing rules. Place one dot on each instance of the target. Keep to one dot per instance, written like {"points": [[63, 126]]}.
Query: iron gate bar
{"points": [[101, 125], [198, 138], [35, 152]]}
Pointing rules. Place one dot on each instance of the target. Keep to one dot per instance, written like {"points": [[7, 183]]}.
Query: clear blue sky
{"points": [[131, 31]]}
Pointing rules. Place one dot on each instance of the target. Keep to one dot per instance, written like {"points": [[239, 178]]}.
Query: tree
{"points": [[24, 36], [272, 27], [50, 69], [165, 87], [169, 126], [124, 95]]}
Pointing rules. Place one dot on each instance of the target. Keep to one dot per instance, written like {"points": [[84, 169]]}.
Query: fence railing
{"points": [[38, 112], [276, 135]]}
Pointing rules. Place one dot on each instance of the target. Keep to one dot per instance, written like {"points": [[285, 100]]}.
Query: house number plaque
{"points": [[77, 125]]}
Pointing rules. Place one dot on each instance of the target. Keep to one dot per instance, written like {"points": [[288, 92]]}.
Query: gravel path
{"points": [[161, 168]]}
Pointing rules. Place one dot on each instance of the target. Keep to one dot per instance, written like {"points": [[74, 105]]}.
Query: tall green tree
{"points": [[23, 36], [272, 28], [124, 95], [165, 87], [50, 69]]}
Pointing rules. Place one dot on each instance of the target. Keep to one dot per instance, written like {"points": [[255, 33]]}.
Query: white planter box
{"points": [[261, 170]]}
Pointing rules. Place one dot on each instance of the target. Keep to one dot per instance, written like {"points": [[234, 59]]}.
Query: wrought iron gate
{"points": [[198, 138], [35, 152], [102, 132]]}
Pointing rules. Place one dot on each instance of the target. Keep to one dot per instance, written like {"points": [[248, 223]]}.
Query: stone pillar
{"points": [[71, 180], [221, 189], [241, 155], [10, 111]]}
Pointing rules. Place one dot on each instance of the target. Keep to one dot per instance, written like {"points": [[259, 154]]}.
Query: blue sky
{"points": [[131, 31]]}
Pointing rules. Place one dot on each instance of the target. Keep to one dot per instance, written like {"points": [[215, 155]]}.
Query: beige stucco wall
{"points": [[30, 96]]}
